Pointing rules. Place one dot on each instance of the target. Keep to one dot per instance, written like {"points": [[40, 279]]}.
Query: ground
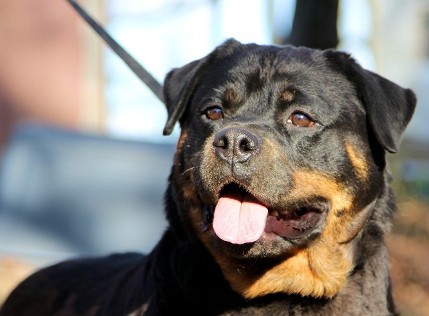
{"points": [[409, 252]]}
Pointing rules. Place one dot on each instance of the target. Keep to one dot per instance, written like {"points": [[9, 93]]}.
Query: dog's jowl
{"points": [[278, 198]]}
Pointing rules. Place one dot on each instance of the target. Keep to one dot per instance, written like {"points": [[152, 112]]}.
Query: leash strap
{"points": [[138, 69]]}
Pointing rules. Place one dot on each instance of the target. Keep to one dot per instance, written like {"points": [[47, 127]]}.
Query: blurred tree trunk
{"points": [[315, 24]]}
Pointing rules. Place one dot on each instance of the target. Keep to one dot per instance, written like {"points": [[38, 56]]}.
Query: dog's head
{"points": [[281, 162]]}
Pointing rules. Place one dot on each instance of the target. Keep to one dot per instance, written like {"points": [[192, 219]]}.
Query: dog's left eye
{"points": [[301, 120], [214, 113]]}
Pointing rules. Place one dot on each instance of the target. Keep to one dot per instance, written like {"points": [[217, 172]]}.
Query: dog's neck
{"points": [[368, 279]]}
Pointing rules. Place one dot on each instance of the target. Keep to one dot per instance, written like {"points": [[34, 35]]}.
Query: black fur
{"points": [[258, 88]]}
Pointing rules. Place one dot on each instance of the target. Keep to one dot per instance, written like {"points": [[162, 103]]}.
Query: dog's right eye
{"points": [[301, 120], [214, 113]]}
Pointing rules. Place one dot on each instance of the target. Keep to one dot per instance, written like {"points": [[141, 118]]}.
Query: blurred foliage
{"points": [[410, 170], [409, 241]]}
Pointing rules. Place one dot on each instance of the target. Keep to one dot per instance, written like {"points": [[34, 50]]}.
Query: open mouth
{"points": [[240, 218]]}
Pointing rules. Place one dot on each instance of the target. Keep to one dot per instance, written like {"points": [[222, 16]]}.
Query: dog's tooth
{"points": [[275, 213]]}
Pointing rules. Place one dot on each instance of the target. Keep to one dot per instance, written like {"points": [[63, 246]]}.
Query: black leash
{"points": [[138, 69]]}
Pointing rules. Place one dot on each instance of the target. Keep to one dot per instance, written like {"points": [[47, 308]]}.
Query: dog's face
{"points": [[281, 161]]}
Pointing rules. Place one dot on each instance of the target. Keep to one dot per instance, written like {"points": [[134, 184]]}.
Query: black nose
{"points": [[236, 145]]}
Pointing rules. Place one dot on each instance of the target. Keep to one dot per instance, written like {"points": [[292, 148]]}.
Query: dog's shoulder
{"points": [[79, 286]]}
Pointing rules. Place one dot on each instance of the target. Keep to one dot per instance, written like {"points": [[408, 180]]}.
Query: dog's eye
{"points": [[301, 120], [214, 113]]}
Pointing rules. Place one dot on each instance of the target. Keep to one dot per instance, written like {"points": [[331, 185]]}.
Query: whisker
{"points": [[187, 170]]}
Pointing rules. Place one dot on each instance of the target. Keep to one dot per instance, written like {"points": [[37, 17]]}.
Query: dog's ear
{"points": [[389, 107], [180, 83]]}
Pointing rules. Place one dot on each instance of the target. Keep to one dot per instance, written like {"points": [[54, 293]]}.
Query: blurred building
{"points": [[50, 68]]}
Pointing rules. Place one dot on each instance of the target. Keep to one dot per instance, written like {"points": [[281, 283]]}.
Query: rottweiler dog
{"points": [[278, 199]]}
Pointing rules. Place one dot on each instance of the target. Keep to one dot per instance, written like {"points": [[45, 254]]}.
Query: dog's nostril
{"points": [[235, 144], [221, 141], [246, 144]]}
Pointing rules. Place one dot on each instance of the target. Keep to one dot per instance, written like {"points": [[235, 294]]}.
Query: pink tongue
{"points": [[239, 219]]}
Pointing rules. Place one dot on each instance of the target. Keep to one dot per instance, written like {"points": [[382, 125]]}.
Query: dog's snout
{"points": [[236, 144]]}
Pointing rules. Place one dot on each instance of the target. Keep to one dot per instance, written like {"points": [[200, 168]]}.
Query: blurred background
{"points": [[83, 163]]}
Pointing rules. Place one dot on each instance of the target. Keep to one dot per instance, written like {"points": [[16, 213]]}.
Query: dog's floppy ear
{"points": [[180, 83], [389, 107]]}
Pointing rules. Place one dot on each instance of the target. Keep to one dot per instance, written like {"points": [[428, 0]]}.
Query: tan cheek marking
{"points": [[360, 165], [180, 142], [321, 269], [309, 183]]}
